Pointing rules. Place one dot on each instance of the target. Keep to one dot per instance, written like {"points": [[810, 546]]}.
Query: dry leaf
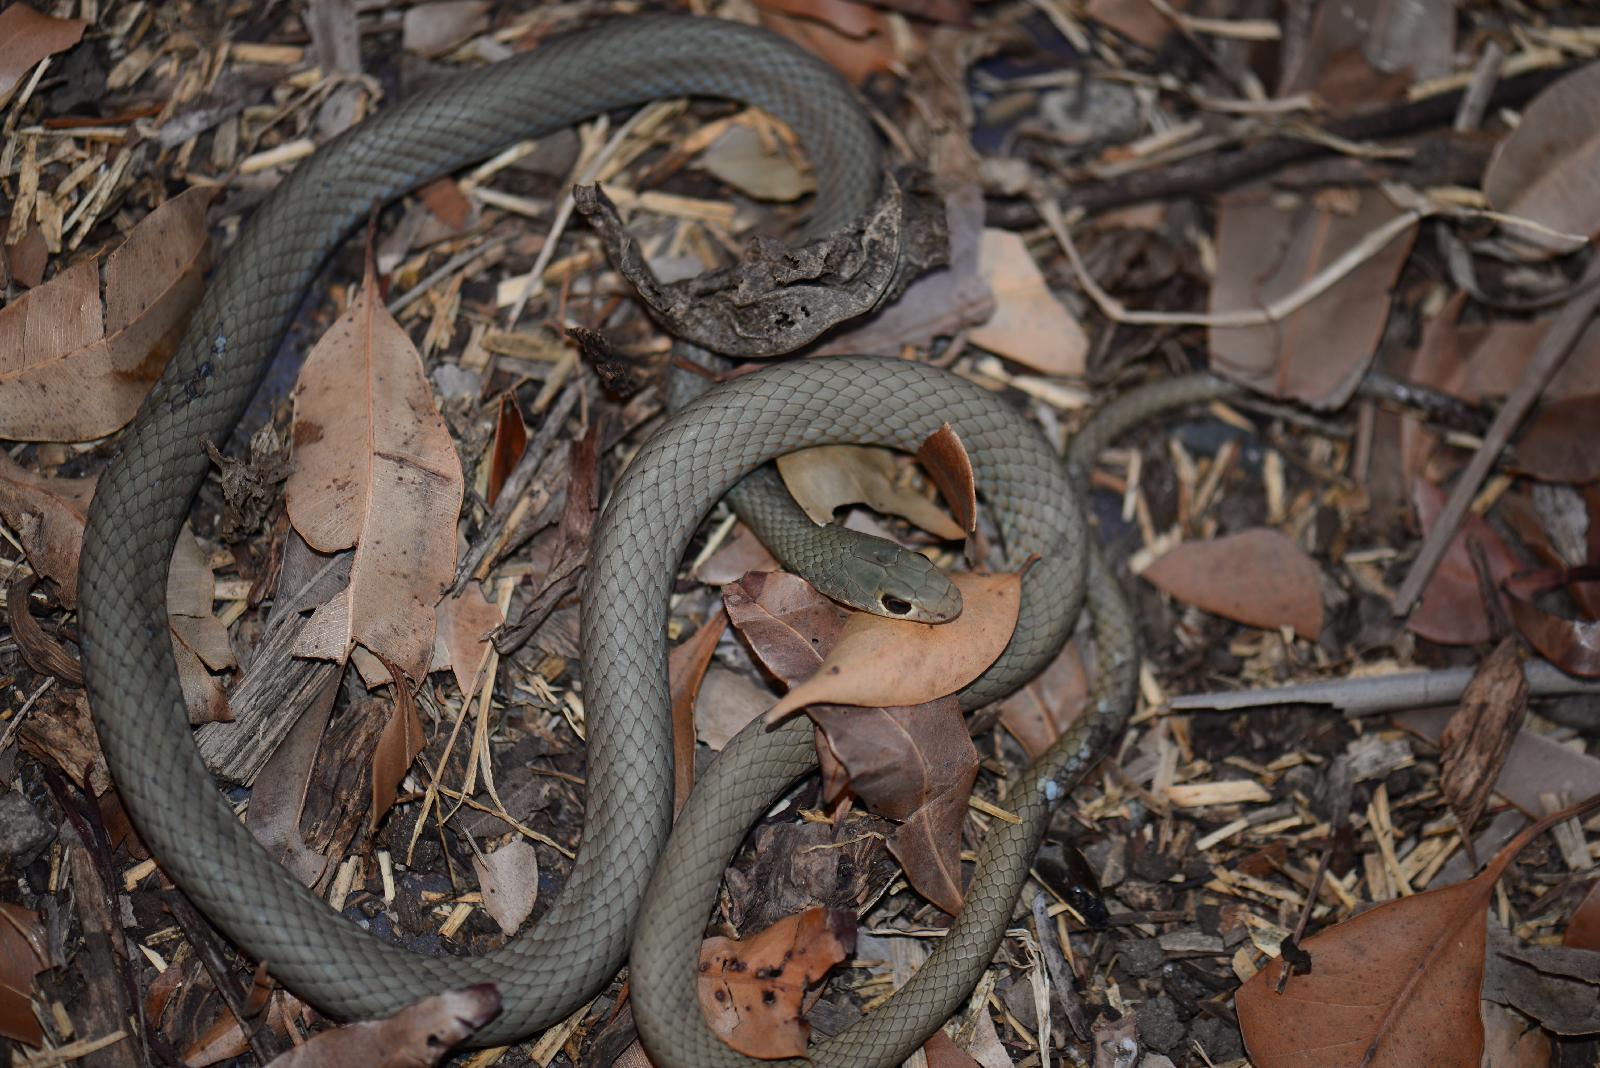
{"points": [[1258, 576], [462, 626], [1558, 987], [1511, 1041], [1452, 610], [1029, 324], [726, 704], [853, 38], [375, 468], [739, 158], [751, 990], [686, 668], [1395, 987], [24, 952], [509, 880], [785, 621], [65, 736], [1361, 54], [1478, 738], [510, 442], [949, 466], [418, 1036], [1037, 714], [736, 557], [398, 745], [1583, 929], [1557, 444], [1317, 354], [827, 477], [48, 515], [26, 37], [200, 644], [72, 370], [1548, 170], [880, 662], [1573, 645], [941, 1051], [1536, 765], [433, 29]]}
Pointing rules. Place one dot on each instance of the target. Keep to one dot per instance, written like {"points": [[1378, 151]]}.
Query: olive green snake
{"points": [[625, 863]]}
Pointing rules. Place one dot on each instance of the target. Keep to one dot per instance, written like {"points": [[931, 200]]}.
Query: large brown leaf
{"points": [[751, 990], [375, 468], [1548, 170], [1259, 577], [1317, 354], [72, 369], [26, 37], [1395, 987]]}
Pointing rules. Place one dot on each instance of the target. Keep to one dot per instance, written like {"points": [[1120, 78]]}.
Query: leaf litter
{"points": [[1277, 162]]}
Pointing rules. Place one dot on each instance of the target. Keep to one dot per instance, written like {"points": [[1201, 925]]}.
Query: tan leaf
{"points": [[727, 702], [1511, 1040], [48, 515], [1029, 324], [509, 880], [751, 990], [432, 29], [200, 644], [853, 38], [880, 661], [418, 1036], [830, 476], [736, 557], [375, 468], [1258, 577], [398, 745], [1318, 353], [72, 370], [949, 466], [686, 671], [26, 37], [462, 627], [739, 157], [1548, 170]]}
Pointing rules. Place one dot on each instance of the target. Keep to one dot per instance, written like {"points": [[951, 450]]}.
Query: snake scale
{"points": [[145, 494]]}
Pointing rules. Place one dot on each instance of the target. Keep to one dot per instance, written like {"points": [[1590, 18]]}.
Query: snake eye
{"points": [[894, 605]]}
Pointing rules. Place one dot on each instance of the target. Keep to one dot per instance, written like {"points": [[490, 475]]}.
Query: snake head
{"points": [[888, 580]]}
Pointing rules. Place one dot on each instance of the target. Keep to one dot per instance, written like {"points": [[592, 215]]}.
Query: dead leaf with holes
{"points": [[880, 662], [751, 990], [1395, 987], [1548, 171], [1258, 577], [76, 368], [831, 476], [374, 468]]}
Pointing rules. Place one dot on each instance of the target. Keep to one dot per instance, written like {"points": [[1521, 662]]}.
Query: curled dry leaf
{"points": [[1317, 354], [831, 476], [510, 442], [1395, 987], [945, 459], [686, 671], [399, 743], [380, 474], [509, 881], [1452, 611], [26, 37], [24, 952], [1478, 738], [72, 369], [1029, 324], [418, 1036], [1548, 170], [880, 662], [1259, 577], [1583, 929], [48, 515], [1573, 645], [751, 990]]}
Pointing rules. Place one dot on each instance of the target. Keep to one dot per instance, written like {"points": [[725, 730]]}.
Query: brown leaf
{"points": [[445, 201], [26, 37], [751, 990], [1558, 987], [1318, 353], [402, 739], [463, 623], [509, 880], [1395, 987], [418, 1036], [941, 1051], [44, 654], [736, 557], [1136, 20], [785, 621], [24, 952], [380, 474], [1257, 576], [510, 442], [75, 370], [741, 158], [1558, 443], [1037, 714], [686, 668], [1029, 324], [853, 38], [1452, 610], [200, 644], [945, 459], [48, 515], [432, 29], [66, 738], [1512, 1041], [1536, 765], [1573, 645], [1357, 56], [939, 303], [1583, 929], [880, 662], [28, 257], [1548, 170], [1478, 737], [827, 477], [727, 703]]}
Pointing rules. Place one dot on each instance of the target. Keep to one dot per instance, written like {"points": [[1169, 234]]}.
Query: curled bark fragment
{"points": [[778, 298]]}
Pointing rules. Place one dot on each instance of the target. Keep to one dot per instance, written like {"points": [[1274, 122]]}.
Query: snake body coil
{"points": [[145, 495]]}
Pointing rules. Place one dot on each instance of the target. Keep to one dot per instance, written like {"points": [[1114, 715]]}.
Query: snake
{"points": [[625, 864]]}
